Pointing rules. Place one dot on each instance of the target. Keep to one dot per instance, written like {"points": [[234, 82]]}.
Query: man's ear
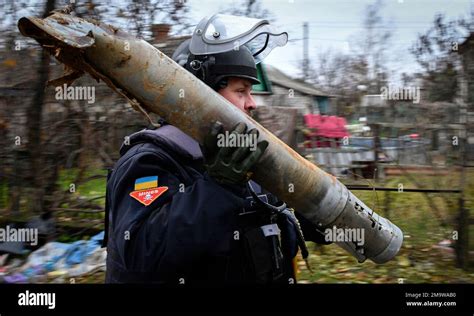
{"points": [[222, 84]]}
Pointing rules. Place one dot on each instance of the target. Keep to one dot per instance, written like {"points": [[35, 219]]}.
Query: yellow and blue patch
{"points": [[147, 190], [146, 183]]}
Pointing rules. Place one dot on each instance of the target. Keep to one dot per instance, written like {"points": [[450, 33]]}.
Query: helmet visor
{"points": [[222, 33]]}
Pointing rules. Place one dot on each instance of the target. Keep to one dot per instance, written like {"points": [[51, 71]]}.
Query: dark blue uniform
{"points": [[168, 222]]}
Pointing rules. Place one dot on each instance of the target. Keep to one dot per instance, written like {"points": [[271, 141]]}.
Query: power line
{"points": [[341, 25], [339, 40], [361, 23]]}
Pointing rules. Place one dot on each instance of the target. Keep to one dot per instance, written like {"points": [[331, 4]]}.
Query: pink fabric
{"points": [[326, 126]]}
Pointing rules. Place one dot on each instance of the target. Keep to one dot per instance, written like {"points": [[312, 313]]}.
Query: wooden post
{"points": [[376, 131], [387, 202], [462, 244]]}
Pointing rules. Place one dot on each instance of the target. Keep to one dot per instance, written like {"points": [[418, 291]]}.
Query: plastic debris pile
{"points": [[55, 262]]}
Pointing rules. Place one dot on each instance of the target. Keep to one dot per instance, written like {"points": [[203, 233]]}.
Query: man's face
{"points": [[237, 92]]}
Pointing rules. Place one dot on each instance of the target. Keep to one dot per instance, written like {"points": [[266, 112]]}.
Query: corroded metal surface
{"points": [[154, 83]]}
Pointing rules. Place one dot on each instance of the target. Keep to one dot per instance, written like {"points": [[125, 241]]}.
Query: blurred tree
{"points": [[342, 75], [137, 16], [34, 124], [435, 51], [372, 45], [249, 8], [59, 134], [361, 71]]}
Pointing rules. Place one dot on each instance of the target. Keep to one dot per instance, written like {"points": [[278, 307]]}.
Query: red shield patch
{"points": [[147, 196]]}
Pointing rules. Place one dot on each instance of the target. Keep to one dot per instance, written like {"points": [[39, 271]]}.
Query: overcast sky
{"points": [[332, 23]]}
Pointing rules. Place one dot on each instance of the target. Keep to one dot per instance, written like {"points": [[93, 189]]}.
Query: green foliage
{"points": [[88, 189]]}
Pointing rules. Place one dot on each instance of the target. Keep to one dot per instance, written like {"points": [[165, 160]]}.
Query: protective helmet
{"points": [[225, 46], [213, 69]]}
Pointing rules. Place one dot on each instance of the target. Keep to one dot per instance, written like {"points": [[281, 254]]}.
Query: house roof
{"points": [[279, 78]]}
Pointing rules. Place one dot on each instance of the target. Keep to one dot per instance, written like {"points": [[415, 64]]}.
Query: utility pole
{"points": [[305, 50]]}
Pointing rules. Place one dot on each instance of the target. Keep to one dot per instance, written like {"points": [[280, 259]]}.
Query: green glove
{"points": [[232, 164]]}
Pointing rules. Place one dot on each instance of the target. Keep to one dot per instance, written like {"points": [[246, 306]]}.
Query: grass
{"points": [[90, 189], [418, 261]]}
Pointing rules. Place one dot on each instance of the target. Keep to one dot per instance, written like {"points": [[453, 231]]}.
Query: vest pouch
{"points": [[259, 255]]}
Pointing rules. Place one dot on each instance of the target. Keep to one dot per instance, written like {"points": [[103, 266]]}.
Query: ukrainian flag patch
{"points": [[146, 183], [147, 190]]}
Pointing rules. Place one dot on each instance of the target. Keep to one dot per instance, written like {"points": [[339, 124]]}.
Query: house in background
{"points": [[279, 89], [466, 49]]}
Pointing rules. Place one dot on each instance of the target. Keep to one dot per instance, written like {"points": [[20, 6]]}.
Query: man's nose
{"points": [[250, 103]]}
